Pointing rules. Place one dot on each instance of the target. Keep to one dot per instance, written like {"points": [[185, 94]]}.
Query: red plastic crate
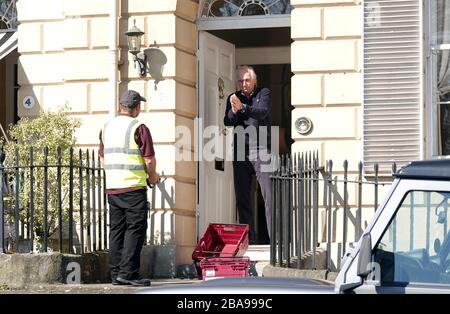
{"points": [[224, 267], [221, 240]]}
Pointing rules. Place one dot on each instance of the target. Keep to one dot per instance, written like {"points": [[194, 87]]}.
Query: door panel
{"points": [[216, 82]]}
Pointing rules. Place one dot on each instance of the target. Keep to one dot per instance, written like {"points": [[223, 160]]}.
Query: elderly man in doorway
{"points": [[249, 112]]}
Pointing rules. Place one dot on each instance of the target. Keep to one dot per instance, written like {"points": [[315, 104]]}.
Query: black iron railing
{"points": [[55, 205], [312, 209], [54, 200]]}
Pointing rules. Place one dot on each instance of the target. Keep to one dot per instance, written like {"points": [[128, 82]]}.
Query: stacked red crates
{"points": [[220, 250], [224, 267]]}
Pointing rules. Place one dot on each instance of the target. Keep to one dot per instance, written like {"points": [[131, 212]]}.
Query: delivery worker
{"points": [[128, 157]]}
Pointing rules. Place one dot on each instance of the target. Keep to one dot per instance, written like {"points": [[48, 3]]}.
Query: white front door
{"points": [[216, 82]]}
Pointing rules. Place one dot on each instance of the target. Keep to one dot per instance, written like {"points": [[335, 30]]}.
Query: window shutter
{"points": [[392, 83]]}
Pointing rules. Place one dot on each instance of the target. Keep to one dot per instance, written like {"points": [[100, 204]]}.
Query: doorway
{"points": [[267, 50], [8, 93]]}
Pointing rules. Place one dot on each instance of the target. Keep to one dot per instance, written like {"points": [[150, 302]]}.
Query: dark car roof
{"points": [[248, 285], [436, 169]]}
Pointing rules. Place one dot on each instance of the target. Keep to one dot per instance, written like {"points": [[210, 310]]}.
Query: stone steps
{"points": [[259, 258], [258, 253]]}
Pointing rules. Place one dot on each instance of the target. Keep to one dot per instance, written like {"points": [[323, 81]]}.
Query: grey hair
{"points": [[246, 68]]}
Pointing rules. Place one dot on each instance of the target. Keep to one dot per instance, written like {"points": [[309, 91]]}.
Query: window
{"points": [[439, 76], [224, 8], [8, 14], [416, 245], [393, 71]]}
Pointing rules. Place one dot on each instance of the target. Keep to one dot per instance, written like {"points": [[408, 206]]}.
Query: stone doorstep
{"points": [[259, 267], [258, 253]]}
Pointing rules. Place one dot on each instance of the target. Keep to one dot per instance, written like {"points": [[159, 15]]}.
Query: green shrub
{"points": [[52, 130]]}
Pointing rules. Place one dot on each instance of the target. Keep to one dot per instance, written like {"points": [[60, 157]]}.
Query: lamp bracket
{"points": [[141, 59]]}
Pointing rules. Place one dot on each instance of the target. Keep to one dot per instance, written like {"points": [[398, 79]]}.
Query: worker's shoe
{"points": [[138, 282], [116, 282]]}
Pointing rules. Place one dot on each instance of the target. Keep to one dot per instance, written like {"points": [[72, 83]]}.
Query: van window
{"points": [[416, 245]]}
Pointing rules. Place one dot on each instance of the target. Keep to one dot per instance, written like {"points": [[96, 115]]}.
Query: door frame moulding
{"points": [[239, 22]]}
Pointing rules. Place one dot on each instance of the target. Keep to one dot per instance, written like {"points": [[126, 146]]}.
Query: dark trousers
{"points": [[128, 224], [243, 173]]}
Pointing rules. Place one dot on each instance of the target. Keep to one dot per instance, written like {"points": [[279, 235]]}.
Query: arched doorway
{"points": [[232, 33]]}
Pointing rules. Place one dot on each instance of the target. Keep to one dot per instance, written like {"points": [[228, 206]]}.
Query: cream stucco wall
{"points": [[327, 87], [64, 59], [327, 82]]}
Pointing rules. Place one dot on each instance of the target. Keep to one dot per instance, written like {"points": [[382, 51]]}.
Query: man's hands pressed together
{"points": [[236, 104]]}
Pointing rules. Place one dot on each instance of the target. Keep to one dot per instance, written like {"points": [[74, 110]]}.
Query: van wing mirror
{"points": [[365, 256], [441, 209], [442, 217]]}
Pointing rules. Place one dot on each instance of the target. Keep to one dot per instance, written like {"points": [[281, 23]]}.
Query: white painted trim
{"points": [[429, 137], [431, 118], [239, 22], [263, 55], [198, 138], [113, 56], [361, 112]]}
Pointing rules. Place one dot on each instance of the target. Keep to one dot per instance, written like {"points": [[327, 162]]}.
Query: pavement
{"points": [[98, 288], [265, 270], [284, 272]]}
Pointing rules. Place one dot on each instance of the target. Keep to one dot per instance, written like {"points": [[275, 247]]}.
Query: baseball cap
{"points": [[131, 98]]}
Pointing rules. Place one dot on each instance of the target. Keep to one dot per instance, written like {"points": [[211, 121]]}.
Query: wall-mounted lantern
{"points": [[134, 35]]}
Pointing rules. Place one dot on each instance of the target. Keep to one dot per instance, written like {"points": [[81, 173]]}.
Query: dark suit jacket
{"points": [[257, 114]]}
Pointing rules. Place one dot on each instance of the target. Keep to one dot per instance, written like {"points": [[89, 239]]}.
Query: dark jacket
{"points": [[257, 113]]}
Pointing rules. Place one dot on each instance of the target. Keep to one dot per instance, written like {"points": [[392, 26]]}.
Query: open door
{"points": [[216, 82]]}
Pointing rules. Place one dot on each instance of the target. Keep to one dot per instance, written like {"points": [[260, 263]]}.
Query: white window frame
{"points": [[431, 134], [431, 120]]}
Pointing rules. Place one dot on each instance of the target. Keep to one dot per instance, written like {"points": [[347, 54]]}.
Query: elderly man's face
{"points": [[246, 82]]}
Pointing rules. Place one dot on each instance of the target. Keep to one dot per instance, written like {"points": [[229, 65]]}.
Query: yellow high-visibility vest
{"points": [[123, 162]]}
